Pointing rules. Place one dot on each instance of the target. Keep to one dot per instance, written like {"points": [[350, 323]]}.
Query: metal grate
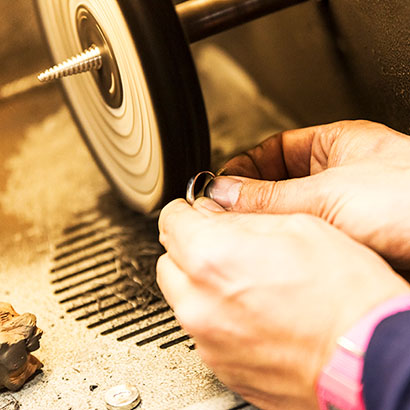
{"points": [[104, 273], [103, 270]]}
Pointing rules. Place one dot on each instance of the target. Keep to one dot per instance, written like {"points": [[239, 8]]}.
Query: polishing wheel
{"points": [[141, 110]]}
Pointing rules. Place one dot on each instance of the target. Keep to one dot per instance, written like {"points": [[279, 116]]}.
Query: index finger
{"points": [[182, 233], [284, 155]]}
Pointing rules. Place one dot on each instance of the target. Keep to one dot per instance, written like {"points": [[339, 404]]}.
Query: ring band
{"points": [[190, 190]]}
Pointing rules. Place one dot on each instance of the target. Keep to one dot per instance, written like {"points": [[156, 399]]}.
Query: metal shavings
{"points": [[136, 250], [8, 402]]}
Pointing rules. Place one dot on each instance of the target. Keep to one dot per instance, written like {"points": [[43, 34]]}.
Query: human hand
{"points": [[353, 174], [266, 296]]}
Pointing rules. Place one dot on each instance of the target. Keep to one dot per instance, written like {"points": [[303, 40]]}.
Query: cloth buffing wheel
{"points": [[142, 114]]}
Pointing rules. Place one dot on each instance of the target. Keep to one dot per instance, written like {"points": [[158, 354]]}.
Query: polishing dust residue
{"points": [[8, 402], [52, 169]]}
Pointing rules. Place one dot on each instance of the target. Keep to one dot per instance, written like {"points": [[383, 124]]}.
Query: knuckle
{"points": [[162, 239], [358, 123], [161, 269], [241, 165], [168, 213], [261, 195], [339, 128], [208, 254], [296, 230], [207, 262], [161, 263], [301, 223], [209, 356], [192, 317]]}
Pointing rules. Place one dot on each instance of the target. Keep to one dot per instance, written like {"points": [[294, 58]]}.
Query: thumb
{"points": [[250, 195], [207, 207]]}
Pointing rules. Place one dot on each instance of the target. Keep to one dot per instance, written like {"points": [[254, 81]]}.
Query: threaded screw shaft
{"points": [[89, 59]]}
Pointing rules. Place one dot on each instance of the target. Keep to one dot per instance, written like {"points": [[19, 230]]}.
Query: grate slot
{"points": [[145, 329], [102, 310], [73, 228], [86, 212], [79, 249], [82, 259], [83, 282], [242, 406], [137, 320], [91, 302], [175, 342], [78, 238], [85, 270], [159, 336], [87, 253], [118, 315], [94, 289]]}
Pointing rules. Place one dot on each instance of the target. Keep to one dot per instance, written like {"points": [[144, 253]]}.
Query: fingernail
{"points": [[224, 191]]}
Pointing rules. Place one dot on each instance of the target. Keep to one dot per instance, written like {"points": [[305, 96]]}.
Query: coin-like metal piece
{"points": [[122, 397], [193, 191]]}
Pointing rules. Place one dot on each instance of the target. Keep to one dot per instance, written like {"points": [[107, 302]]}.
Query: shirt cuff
{"points": [[386, 371]]}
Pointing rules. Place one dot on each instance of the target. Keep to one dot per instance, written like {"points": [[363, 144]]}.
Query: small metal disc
{"points": [[122, 397]]}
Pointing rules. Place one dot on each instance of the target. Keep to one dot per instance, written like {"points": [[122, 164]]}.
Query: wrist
{"points": [[340, 385]]}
